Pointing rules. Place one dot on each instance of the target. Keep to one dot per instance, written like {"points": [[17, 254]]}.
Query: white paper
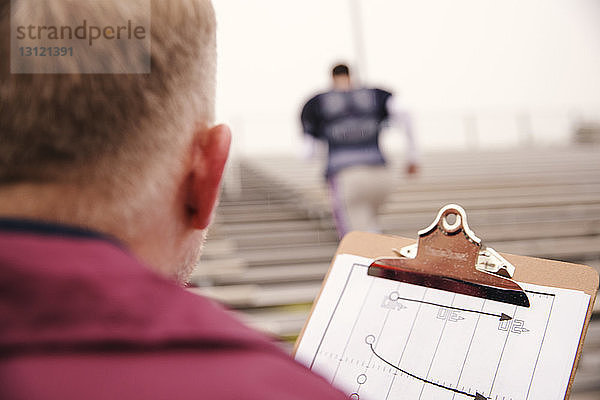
{"points": [[378, 339]]}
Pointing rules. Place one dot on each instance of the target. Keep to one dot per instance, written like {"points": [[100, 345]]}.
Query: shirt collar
{"points": [[23, 225], [67, 287]]}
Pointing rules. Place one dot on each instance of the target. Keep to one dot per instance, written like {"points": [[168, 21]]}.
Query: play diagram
{"points": [[380, 339]]}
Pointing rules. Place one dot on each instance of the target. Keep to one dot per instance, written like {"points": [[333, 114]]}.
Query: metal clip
{"points": [[489, 260], [448, 256]]}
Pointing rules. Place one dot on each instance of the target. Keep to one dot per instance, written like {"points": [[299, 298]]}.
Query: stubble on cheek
{"points": [[191, 258]]}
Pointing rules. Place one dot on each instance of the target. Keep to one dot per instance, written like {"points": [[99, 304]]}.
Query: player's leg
{"points": [[379, 190], [338, 206], [364, 190]]}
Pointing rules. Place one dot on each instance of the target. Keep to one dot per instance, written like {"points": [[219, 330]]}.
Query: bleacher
{"points": [[273, 236]]}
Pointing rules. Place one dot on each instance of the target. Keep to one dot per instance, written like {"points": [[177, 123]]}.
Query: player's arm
{"points": [[309, 120], [309, 146], [400, 117]]}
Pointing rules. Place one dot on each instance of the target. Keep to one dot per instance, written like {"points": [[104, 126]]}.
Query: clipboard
{"points": [[527, 270]]}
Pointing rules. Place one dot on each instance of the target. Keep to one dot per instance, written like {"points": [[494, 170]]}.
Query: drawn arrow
{"points": [[505, 317], [502, 316], [476, 396]]}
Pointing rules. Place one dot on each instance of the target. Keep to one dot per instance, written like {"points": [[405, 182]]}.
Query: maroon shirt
{"points": [[81, 318]]}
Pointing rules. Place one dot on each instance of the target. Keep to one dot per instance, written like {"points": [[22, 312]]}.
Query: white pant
{"points": [[356, 194]]}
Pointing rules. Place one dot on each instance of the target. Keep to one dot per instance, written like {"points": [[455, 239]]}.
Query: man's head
{"points": [[133, 155], [341, 77]]}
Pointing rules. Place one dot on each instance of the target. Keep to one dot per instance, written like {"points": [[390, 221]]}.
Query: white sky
{"points": [[447, 60]]}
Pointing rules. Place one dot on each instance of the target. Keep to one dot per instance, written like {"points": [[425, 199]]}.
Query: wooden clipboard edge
{"points": [[527, 269]]}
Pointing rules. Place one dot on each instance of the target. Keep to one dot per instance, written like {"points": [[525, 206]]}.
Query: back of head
{"points": [[340, 75], [114, 133], [340, 70]]}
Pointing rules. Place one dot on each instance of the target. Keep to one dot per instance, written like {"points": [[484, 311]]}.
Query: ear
{"points": [[210, 152]]}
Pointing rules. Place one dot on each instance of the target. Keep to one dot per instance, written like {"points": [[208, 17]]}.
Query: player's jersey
{"points": [[350, 122]]}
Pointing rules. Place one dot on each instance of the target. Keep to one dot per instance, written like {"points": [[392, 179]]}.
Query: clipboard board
{"points": [[527, 270]]}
